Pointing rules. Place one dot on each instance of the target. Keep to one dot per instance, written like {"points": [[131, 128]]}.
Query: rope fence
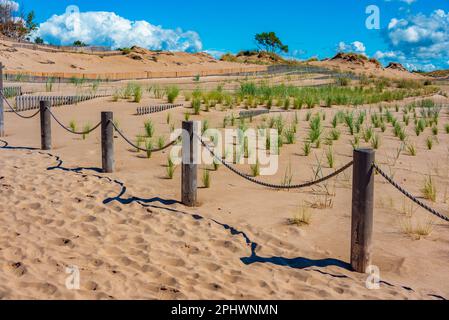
{"points": [[14, 110], [269, 185], [142, 149], [409, 195]]}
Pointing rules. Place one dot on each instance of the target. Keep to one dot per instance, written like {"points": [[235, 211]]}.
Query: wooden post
{"points": [[107, 142], [190, 161], [362, 209], [2, 115], [45, 125]]}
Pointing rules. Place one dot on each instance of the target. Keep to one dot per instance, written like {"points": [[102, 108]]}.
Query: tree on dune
{"points": [[270, 42]]}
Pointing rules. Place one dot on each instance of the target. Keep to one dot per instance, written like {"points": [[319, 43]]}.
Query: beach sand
{"points": [[131, 239]]}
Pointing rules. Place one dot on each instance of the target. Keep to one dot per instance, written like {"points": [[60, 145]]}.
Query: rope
{"points": [[14, 110], [274, 186], [409, 195], [70, 131], [139, 148]]}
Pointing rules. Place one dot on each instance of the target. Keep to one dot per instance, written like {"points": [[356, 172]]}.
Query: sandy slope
{"points": [[139, 60]]}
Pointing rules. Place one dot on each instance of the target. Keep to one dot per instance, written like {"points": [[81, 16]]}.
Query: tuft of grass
{"points": [[186, 116], [435, 130], [335, 134], [290, 137], [429, 189], [149, 128], [330, 158], [356, 142], [160, 142], [172, 93], [149, 147], [255, 169], [429, 143], [411, 149], [446, 128], [418, 229], [137, 93], [206, 179], [303, 217], [368, 134], [72, 125], [196, 105], [170, 168], [375, 142], [139, 142], [307, 148], [86, 128]]}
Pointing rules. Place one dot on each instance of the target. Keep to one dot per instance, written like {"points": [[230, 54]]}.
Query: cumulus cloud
{"points": [[355, 46], [11, 4], [109, 29], [420, 40]]}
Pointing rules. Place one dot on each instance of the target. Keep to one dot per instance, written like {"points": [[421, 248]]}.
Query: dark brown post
{"points": [[190, 161], [2, 119], [44, 107], [107, 142], [362, 209]]}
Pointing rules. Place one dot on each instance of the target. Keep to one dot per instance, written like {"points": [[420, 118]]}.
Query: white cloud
{"points": [[420, 40], [109, 29], [355, 46], [12, 4]]}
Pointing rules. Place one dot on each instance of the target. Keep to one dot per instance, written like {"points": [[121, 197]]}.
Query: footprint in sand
{"points": [[17, 268]]}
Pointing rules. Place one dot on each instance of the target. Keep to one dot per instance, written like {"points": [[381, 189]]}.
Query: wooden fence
{"points": [[10, 92], [154, 109], [24, 103]]}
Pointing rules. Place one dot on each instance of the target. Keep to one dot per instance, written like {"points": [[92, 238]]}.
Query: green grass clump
{"points": [[137, 93], [170, 168], [149, 128], [86, 128], [160, 142], [446, 128], [196, 105], [435, 130], [172, 93], [139, 142], [290, 136], [307, 148], [335, 134], [375, 142], [149, 147]]}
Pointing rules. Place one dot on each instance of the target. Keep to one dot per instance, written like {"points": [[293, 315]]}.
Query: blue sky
{"points": [[412, 32]]}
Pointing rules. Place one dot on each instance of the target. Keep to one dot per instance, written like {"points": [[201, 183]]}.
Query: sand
{"points": [[131, 239]]}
